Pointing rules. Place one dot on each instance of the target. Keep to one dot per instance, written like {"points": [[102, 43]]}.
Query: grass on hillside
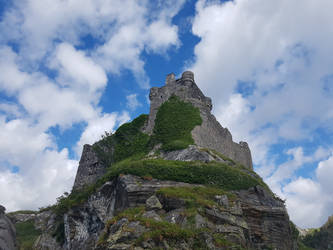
{"points": [[23, 212], [26, 234], [174, 122], [163, 230], [216, 174], [127, 141], [195, 196]]}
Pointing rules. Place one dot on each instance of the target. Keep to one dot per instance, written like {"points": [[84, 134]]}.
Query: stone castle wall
{"points": [[210, 134]]}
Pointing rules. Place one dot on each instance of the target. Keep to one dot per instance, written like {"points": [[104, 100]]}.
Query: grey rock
{"points": [[220, 217], [90, 169], [236, 208], [153, 203], [152, 215], [123, 232], [200, 221], [133, 191], [208, 239], [210, 134], [7, 232], [222, 200], [191, 153], [46, 242], [21, 217], [267, 219], [176, 217]]}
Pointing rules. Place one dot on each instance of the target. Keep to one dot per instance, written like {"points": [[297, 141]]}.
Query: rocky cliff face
{"points": [[7, 232], [151, 187], [137, 213], [90, 169]]}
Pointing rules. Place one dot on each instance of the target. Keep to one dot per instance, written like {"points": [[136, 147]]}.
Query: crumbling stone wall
{"points": [[210, 134]]}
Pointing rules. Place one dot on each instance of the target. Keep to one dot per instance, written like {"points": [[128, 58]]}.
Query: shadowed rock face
{"points": [[253, 219], [7, 232], [210, 134], [90, 169]]}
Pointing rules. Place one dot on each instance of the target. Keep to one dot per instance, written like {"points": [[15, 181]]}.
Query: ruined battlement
{"points": [[210, 134]]}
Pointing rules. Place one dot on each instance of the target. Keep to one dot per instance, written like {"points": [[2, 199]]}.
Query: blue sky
{"points": [[70, 70]]}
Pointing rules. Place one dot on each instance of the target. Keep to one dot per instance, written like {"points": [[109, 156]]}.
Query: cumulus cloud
{"points": [[97, 127], [76, 68], [306, 195], [51, 77], [132, 102], [266, 66], [44, 172], [122, 30]]}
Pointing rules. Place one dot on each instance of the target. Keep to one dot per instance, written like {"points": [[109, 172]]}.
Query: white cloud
{"points": [[132, 101], [324, 174], [123, 29], [10, 109], [11, 78], [97, 127], [44, 172], [305, 195], [78, 68], [55, 80], [266, 65]]}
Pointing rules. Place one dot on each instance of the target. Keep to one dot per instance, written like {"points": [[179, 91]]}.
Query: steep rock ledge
{"points": [[7, 232], [251, 219]]}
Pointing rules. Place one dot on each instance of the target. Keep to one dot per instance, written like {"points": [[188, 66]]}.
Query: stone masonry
{"points": [[210, 134]]}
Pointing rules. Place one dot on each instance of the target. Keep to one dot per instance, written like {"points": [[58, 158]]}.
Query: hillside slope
{"points": [[321, 238], [173, 179]]}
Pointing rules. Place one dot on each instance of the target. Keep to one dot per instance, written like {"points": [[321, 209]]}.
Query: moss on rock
{"points": [[174, 122]]}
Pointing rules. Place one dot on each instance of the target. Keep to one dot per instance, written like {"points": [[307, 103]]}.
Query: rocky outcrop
{"points": [[7, 232], [251, 219], [210, 134], [90, 169], [267, 219]]}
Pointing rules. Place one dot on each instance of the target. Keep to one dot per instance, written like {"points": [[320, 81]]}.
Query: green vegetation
{"points": [[213, 173], [174, 122], [130, 140], [301, 246], [162, 230], [320, 238], [195, 196], [23, 212], [126, 148], [26, 234], [216, 175], [234, 164], [127, 141], [317, 239], [214, 153], [220, 240]]}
